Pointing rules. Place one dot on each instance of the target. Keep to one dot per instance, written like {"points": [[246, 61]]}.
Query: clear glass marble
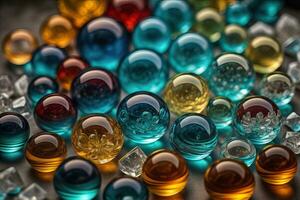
{"points": [[32, 192], [293, 71], [21, 85], [238, 13], [260, 28], [293, 121], [10, 181], [286, 27], [6, 85], [292, 141]]}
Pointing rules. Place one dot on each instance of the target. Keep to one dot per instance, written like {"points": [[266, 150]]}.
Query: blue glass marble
{"points": [[95, 91], [190, 52], [268, 10], [177, 14], [14, 132], [238, 13], [45, 61], [143, 70], [194, 136], [77, 178], [103, 42], [41, 86], [152, 33], [125, 188], [220, 110], [232, 76], [143, 116]]}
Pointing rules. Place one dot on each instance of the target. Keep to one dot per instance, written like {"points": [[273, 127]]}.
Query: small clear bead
{"points": [[21, 85], [6, 85], [21, 106], [260, 28], [32, 192], [292, 141], [10, 181], [293, 121]]}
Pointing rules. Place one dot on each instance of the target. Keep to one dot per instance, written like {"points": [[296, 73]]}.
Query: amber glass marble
{"points": [[79, 11], [186, 93], [265, 53], [229, 179], [165, 173], [276, 164], [45, 152], [57, 30], [97, 138], [18, 46]]}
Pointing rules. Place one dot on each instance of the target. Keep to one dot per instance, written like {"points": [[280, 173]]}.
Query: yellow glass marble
{"points": [[221, 5], [186, 93], [265, 53], [57, 30], [209, 23], [79, 11], [18, 46], [97, 138]]}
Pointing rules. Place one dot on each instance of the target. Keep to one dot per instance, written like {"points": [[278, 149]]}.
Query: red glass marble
{"points": [[68, 70], [129, 12]]}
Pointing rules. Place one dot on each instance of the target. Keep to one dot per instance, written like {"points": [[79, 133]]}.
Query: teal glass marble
{"points": [[77, 178], [143, 116], [239, 148], [190, 52], [14, 132], [232, 76], [277, 86], [154, 3], [220, 110], [143, 70], [103, 42], [268, 10], [194, 136], [238, 13], [125, 188], [95, 91], [45, 61], [234, 39], [40, 87], [258, 119], [177, 14], [152, 33]]}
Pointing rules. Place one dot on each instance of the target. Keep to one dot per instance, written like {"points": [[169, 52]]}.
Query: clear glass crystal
{"points": [[294, 71], [10, 181], [5, 103], [132, 163], [292, 141], [32, 192], [21, 85], [6, 85], [293, 121], [260, 28], [21, 106], [287, 26]]}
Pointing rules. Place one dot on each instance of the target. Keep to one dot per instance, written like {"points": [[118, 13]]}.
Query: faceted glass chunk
{"points": [[260, 28], [132, 163], [21, 106], [5, 103], [293, 121], [32, 192], [10, 181], [292, 47], [6, 85], [294, 71], [21, 85], [292, 141], [287, 26]]}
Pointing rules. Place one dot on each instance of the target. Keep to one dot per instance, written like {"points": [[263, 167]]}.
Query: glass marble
{"points": [[40, 87], [95, 91], [103, 42], [258, 119], [220, 110], [238, 13], [143, 70], [268, 10], [190, 52], [77, 178], [153, 34], [14, 132], [221, 5], [46, 59], [234, 39], [129, 12], [80, 12], [186, 93], [97, 138], [277, 86], [177, 14], [276, 165], [144, 117], [232, 76], [55, 113], [198, 5], [194, 136], [125, 188], [209, 23], [229, 179], [57, 30], [265, 53], [165, 173], [45, 152], [239, 148]]}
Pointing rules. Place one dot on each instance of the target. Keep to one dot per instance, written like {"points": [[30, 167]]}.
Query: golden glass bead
{"points": [[165, 173], [79, 11], [97, 138], [186, 93], [57, 30], [45, 152], [18, 46], [265, 53]]}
